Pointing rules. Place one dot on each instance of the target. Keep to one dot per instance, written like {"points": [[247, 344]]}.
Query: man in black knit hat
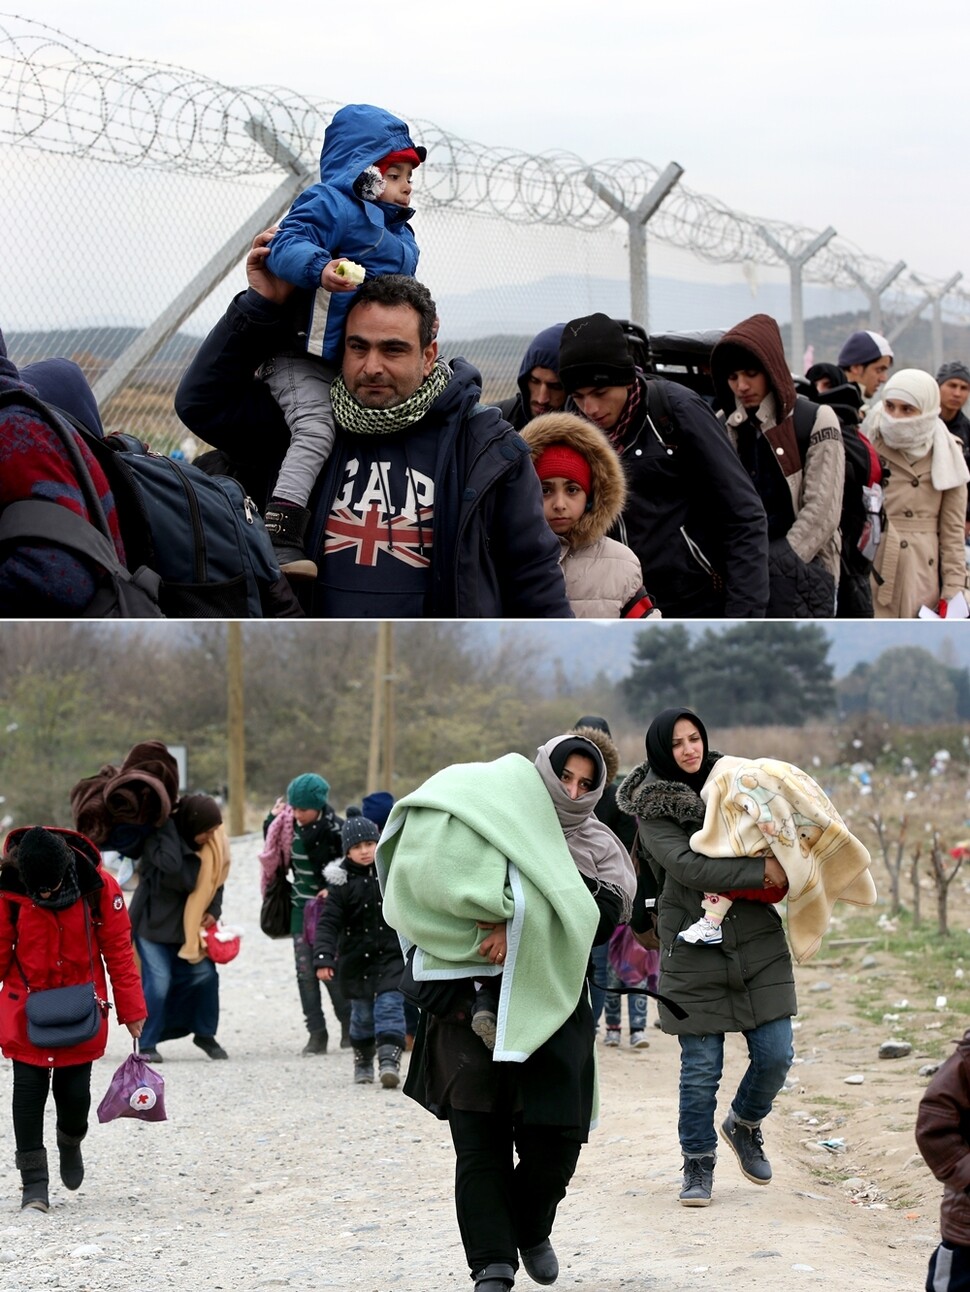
{"points": [[692, 514]]}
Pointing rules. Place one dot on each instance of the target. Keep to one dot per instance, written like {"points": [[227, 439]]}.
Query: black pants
{"points": [[949, 1269], [504, 1206], [309, 988], [72, 1101]]}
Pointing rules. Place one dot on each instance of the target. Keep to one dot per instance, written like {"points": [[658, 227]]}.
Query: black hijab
{"points": [[659, 742]]}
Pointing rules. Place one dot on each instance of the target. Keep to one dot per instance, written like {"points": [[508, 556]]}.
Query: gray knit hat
{"points": [[357, 829], [955, 368]]}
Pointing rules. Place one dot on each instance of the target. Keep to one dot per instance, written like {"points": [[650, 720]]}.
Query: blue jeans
{"points": [[636, 1004], [181, 997], [380, 1015], [701, 1063]]}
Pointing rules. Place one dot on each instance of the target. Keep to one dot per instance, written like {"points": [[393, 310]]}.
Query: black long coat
{"points": [[352, 934]]}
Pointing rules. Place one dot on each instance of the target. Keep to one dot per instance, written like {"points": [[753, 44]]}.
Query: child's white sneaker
{"points": [[638, 1041], [702, 932], [612, 1036]]}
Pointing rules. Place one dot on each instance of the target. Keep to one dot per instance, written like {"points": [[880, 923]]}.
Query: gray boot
{"points": [[72, 1164], [389, 1063], [698, 1181], [363, 1062], [32, 1166]]}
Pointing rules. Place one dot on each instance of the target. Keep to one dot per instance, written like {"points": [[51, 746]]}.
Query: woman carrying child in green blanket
{"points": [[501, 870]]}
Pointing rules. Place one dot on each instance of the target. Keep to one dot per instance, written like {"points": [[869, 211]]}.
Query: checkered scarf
{"points": [[351, 415]]}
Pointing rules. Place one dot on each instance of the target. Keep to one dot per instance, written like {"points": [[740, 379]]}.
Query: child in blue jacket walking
{"points": [[358, 213]]}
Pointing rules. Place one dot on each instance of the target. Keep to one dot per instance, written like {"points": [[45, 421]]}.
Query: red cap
{"points": [[561, 460], [408, 155]]}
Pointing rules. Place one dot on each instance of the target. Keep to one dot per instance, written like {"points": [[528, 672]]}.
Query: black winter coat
{"points": [[692, 514], [168, 871], [493, 555], [799, 589], [748, 979], [353, 936]]}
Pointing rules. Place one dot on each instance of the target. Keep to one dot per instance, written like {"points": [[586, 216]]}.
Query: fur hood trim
{"points": [[644, 795], [608, 482], [335, 873], [611, 755]]}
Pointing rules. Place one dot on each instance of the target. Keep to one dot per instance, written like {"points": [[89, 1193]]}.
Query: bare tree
{"points": [[893, 851], [943, 876], [914, 883]]}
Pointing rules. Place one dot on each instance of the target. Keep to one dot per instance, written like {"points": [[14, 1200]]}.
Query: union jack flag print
{"points": [[406, 538]]}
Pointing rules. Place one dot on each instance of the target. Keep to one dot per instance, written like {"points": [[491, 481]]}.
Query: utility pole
{"points": [[236, 729], [380, 755]]}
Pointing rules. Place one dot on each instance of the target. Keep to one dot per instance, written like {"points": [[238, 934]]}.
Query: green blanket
{"points": [[481, 841]]}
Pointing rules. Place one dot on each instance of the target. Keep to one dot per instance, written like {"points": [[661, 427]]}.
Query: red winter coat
{"points": [[51, 950]]}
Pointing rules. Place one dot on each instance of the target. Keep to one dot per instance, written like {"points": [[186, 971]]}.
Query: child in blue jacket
{"points": [[358, 213]]}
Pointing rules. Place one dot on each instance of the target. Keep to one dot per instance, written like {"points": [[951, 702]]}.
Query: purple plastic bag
{"points": [[135, 1090], [311, 918]]}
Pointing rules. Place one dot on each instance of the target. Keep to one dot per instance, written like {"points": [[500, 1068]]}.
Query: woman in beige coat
{"points": [[921, 559], [583, 492]]}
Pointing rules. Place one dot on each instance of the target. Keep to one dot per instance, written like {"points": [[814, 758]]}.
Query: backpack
{"points": [[201, 533], [862, 490], [862, 516], [121, 593]]}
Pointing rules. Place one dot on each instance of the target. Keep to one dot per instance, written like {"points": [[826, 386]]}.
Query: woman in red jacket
{"points": [[63, 921]]}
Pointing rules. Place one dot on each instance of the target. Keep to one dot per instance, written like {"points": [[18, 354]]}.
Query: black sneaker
{"points": [[316, 1044], [150, 1056], [211, 1046], [698, 1181], [748, 1145]]}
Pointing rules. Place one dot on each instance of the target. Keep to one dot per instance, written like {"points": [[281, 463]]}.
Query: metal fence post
{"points": [[637, 221], [874, 291], [154, 336], [796, 261]]}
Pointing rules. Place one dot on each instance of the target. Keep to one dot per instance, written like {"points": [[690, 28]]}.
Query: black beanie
{"points": [[357, 829], [196, 814], [43, 858], [593, 352], [596, 722]]}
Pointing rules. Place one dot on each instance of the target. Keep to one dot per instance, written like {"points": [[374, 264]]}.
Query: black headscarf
{"points": [[577, 745], [659, 742]]}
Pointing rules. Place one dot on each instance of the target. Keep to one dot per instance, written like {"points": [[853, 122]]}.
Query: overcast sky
{"points": [[842, 112]]}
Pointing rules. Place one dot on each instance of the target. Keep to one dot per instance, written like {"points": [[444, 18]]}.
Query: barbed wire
{"points": [[59, 95]]}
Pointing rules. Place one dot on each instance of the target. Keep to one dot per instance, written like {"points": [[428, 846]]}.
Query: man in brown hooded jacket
{"points": [[803, 499], [943, 1137]]}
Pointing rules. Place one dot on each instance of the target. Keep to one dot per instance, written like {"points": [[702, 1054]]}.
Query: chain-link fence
{"points": [[133, 189]]}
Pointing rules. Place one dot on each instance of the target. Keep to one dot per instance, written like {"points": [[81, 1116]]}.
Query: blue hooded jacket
{"points": [[542, 352], [329, 220]]}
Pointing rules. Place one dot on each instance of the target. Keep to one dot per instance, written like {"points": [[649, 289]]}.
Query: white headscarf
{"points": [[914, 437]]}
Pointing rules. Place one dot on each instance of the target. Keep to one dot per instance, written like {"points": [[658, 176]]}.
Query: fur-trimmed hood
{"points": [[643, 794], [608, 494], [611, 755]]}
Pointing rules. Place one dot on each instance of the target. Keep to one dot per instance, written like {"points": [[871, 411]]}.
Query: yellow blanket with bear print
{"points": [[753, 805]]}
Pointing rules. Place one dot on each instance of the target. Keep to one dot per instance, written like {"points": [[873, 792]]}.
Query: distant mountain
{"points": [[675, 305]]}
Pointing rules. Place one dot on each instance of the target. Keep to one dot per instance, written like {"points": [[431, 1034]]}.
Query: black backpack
{"points": [[121, 593], [857, 468], [202, 533], [194, 540]]}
